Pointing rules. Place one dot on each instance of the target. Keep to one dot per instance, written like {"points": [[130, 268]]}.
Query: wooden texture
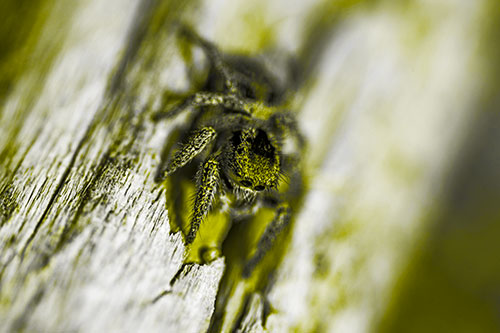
{"points": [[85, 243]]}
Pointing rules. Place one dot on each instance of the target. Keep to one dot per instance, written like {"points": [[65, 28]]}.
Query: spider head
{"points": [[254, 160]]}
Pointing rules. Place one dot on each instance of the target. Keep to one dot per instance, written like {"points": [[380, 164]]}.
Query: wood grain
{"points": [[85, 241]]}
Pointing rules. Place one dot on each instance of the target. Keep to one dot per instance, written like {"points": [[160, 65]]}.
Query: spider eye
{"points": [[259, 188], [236, 138], [262, 145], [246, 183]]}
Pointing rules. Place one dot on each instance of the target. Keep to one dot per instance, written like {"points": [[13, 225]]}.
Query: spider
{"points": [[247, 143]]}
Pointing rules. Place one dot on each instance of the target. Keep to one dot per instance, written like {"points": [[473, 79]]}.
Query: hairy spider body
{"points": [[239, 130]]}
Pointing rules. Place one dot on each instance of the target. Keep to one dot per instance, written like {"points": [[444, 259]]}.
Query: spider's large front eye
{"points": [[246, 183], [262, 145], [236, 138]]}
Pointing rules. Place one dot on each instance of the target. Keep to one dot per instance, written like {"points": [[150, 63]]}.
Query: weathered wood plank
{"points": [[85, 243], [89, 237]]}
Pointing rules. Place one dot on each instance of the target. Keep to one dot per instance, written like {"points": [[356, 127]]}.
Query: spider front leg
{"points": [[195, 145], [266, 241], [208, 182], [205, 98]]}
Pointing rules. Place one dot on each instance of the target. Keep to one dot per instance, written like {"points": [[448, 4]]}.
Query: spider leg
{"points": [[195, 145], [280, 221], [208, 181], [285, 123], [230, 102], [233, 122], [213, 55]]}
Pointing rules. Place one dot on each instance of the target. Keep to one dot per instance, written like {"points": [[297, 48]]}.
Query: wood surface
{"points": [[386, 95]]}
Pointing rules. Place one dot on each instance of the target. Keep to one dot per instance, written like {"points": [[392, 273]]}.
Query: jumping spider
{"points": [[248, 142]]}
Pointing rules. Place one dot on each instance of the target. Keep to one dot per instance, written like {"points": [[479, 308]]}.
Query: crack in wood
{"points": [[183, 271], [160, 295], [58, 189]]}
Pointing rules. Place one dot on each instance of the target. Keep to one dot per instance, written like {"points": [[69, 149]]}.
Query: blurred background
{"points": [[399, 100]]}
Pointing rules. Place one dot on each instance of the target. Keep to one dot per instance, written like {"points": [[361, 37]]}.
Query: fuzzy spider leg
{"points": [[213, 54], [230, 102], [266, 241], [234, 121], [286, 123], [195, 145], [208, 182]]}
